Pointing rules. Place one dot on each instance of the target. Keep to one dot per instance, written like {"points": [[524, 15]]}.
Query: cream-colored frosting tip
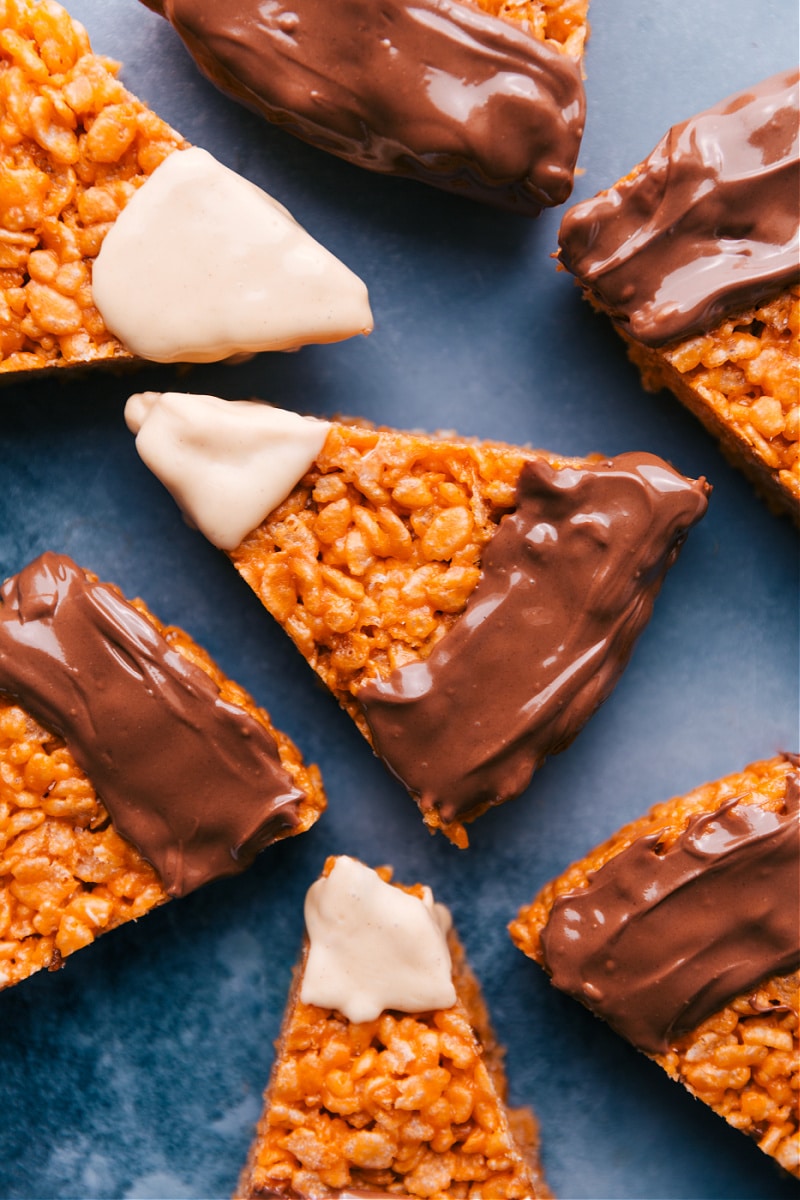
{"points": [[374, 947], [227, 463], [202, 265]]}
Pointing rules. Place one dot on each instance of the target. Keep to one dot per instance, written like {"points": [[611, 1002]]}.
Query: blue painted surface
{"points": [[137, 1070]]}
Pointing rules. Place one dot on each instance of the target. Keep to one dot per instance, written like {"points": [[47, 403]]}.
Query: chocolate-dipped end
{"points": [[567, 583], [663, 937], [191, 780], [705, 226], [439, 90]]}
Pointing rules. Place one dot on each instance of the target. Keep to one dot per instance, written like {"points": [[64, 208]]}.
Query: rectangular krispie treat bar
{"points": [[683, 932], [131, 769], [355, 80], [469, 604], [720, 190], [388, 1079], [111, 246]]}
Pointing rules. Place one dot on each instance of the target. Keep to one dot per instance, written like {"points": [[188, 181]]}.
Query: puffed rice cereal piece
{"points": [[406, 1104], [74, 147], [742, 380], [67, 874], [743, 1058], [724, 339], [468, 603]]}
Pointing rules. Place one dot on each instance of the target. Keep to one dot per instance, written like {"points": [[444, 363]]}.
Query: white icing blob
{"points": [[374, 947], [227, 463], [202, 265]]}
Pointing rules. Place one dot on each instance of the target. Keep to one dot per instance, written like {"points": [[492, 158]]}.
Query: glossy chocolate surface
{"points": [[193, 781], [439, 89], [567, 584], [663, 938], [137, 1071], [708, 224]]}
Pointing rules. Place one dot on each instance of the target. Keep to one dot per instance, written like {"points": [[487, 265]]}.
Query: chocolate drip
{"points": [[193, 781], [707, 225], [437, 89], [567, 584], [660, 940]]}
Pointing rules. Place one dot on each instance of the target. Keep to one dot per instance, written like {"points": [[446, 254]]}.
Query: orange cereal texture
{"points": [[74, 147], [742, 380], [561, 24], [744, 1061], [374, 554], [408, 1105], [66, 875]]}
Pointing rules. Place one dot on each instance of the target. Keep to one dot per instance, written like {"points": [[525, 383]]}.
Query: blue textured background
{"points": [[137, 1071]]}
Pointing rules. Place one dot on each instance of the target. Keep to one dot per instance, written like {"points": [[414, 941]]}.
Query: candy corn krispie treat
{"points": [[388, 1079], [114, 246], [485, 99], [683, 932], [695, 256], [131, 769], [469, 604]]}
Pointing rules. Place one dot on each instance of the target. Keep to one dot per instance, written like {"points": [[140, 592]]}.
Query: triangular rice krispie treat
{"points": [[683, 932], [695, 257], [112, 245], [484, 99], [388, 1079], [469, 604], [131, 769]]}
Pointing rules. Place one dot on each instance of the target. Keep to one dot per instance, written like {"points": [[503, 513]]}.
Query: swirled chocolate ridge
{"points": [[706, 225], [434, 89], [194, 782], [661, 939], [567, 584]]}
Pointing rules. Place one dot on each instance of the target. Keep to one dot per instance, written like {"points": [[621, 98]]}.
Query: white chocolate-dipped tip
{"points": [[137, 408], [227, 463], [374, 947], [202, 265]]}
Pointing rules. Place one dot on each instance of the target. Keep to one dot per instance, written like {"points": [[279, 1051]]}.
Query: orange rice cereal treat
{"points": [[695, 257], [104, 231], [683, 932], [355, 80], [131, 769], [388, 1079], [468, 603]]}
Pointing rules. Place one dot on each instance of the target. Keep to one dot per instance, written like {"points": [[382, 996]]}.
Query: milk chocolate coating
{"points": [[662, 939], [194, 782], [567, 584], [438, 90], [705, 226]]}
